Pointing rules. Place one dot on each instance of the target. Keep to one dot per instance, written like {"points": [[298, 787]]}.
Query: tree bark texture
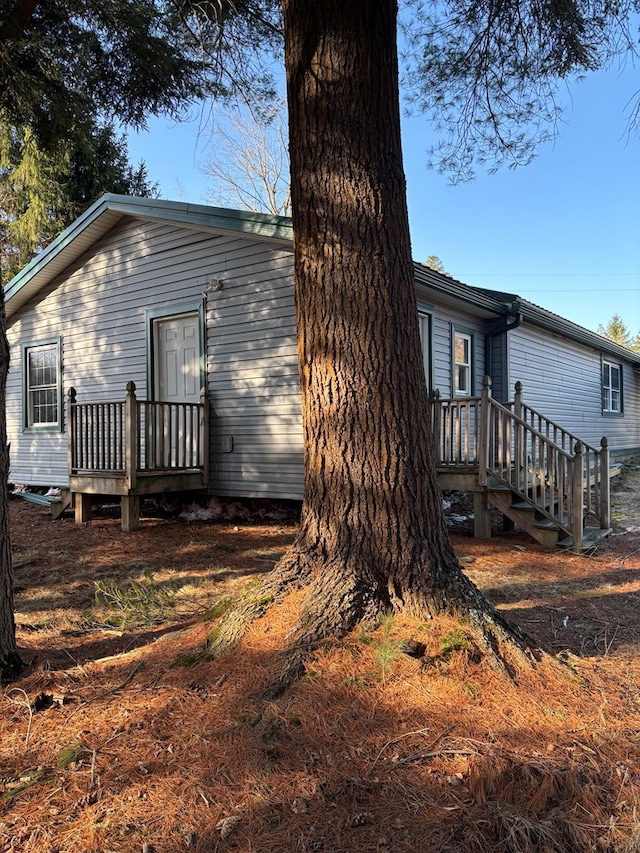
{"points": [[372, 518], [10, 663]]}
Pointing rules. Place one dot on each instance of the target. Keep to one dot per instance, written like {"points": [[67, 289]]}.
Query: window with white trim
{"points": [[42, 385], [462, 350], [424, 325], [611, 388]]}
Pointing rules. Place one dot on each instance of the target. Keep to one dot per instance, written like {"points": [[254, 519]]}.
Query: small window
{"points": [[42, 386], [611, 388], [462, 349], [424, 325]]}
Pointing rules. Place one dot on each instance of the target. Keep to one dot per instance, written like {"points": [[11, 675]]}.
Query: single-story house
{"points": [[153, 348]]}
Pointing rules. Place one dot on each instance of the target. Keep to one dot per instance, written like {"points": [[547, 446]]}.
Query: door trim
{"points": [[175, 309]]}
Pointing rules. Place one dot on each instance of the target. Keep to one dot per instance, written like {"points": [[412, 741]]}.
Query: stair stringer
{"points": [[525, 514]]}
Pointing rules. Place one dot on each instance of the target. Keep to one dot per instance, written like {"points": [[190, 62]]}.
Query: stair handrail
{"points": [[595, 461], [523, 409], [574, 467], [549, 479]]}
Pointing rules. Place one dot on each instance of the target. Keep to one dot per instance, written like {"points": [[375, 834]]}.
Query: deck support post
{"points": [[577, 502], [203, 432], [82, 508], [481, 516], [485, 431], [130, 512], [131, 436], [605, 485], [436, 425], [517, 400], [130, 504]]}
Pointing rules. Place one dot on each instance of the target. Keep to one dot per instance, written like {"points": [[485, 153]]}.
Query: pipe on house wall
{"points": [[499, 330]]}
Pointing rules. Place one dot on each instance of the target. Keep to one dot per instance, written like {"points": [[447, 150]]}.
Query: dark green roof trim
{"points": [[107, 211], [449, 286], [537, 316], [110, 208], [224, 219]]}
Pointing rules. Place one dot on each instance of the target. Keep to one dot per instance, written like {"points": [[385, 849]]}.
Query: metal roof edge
{"points": [[260, 225], [226, 219], [452, 287], [554, 322], [40, 261], [545, 319]]}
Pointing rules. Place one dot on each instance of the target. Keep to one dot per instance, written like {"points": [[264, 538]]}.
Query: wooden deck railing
{"points": [[548, 467], [137, 437], [595, 461]]}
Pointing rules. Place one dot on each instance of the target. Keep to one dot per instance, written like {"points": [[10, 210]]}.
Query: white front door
{"points": [[177, 359]]}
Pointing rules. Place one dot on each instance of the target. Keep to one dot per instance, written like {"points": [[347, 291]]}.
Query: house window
{"points": [[611, 388], [462, 362], [42, 386], [424, 325]]}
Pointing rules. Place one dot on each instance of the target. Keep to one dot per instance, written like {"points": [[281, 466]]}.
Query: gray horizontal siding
{"points": [[443, 322], [99, 310], [254, 386], [562, 380]]}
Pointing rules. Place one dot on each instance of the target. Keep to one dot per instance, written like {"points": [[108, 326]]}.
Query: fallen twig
{"points": [[104, 693], [442, 734], [27, 704]]}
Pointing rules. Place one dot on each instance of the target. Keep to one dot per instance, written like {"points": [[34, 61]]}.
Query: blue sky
{"points": [[563, 232]]}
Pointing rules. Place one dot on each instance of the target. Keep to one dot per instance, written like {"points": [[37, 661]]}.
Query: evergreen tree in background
{"points": [[617, 331], [42, 192]]}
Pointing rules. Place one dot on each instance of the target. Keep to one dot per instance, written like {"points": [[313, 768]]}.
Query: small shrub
{"points": [[454, 641]]}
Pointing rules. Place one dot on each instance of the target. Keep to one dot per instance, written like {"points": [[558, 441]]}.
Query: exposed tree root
{"points": [[337, 600]]}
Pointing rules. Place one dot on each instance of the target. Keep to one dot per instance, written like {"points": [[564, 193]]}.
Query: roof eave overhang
{"points": [[107, 212], [455, 292], [565, 328]]}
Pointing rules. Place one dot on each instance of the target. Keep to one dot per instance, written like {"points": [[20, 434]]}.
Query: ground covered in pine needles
{"points": [[109, 744]]}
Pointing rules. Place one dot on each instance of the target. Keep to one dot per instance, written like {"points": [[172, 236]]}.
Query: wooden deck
{"points": [[538, 474], [135, 447]]}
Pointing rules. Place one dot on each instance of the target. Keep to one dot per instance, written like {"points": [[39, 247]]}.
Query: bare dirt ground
{"points": [[108, 746]]}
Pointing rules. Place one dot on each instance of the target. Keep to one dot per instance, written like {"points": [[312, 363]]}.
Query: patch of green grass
{"points": [[136, 603], [453, 641], [217, 610], [28, 780], [388, 649], [68, 754], [554, 712]]}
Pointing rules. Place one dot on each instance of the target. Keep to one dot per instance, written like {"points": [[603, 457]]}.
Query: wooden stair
{"points": [[57, 504], [542, 477], [529, 517]]}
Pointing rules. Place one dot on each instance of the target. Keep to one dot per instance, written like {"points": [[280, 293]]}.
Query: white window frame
{"points": [[424, 326], [462, 368], [49, 389], [611, 395]]}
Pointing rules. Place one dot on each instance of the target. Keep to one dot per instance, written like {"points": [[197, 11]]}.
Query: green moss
{"points": [[456, 640], [218, 609], [263, 601], [187, 659]]}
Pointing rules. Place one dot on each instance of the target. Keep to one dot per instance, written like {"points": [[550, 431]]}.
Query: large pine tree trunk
{"points": [[372, 516], [10, 663], [372, 537]]}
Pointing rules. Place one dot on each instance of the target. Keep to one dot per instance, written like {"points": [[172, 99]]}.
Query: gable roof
{"points": [[110, 209]]}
